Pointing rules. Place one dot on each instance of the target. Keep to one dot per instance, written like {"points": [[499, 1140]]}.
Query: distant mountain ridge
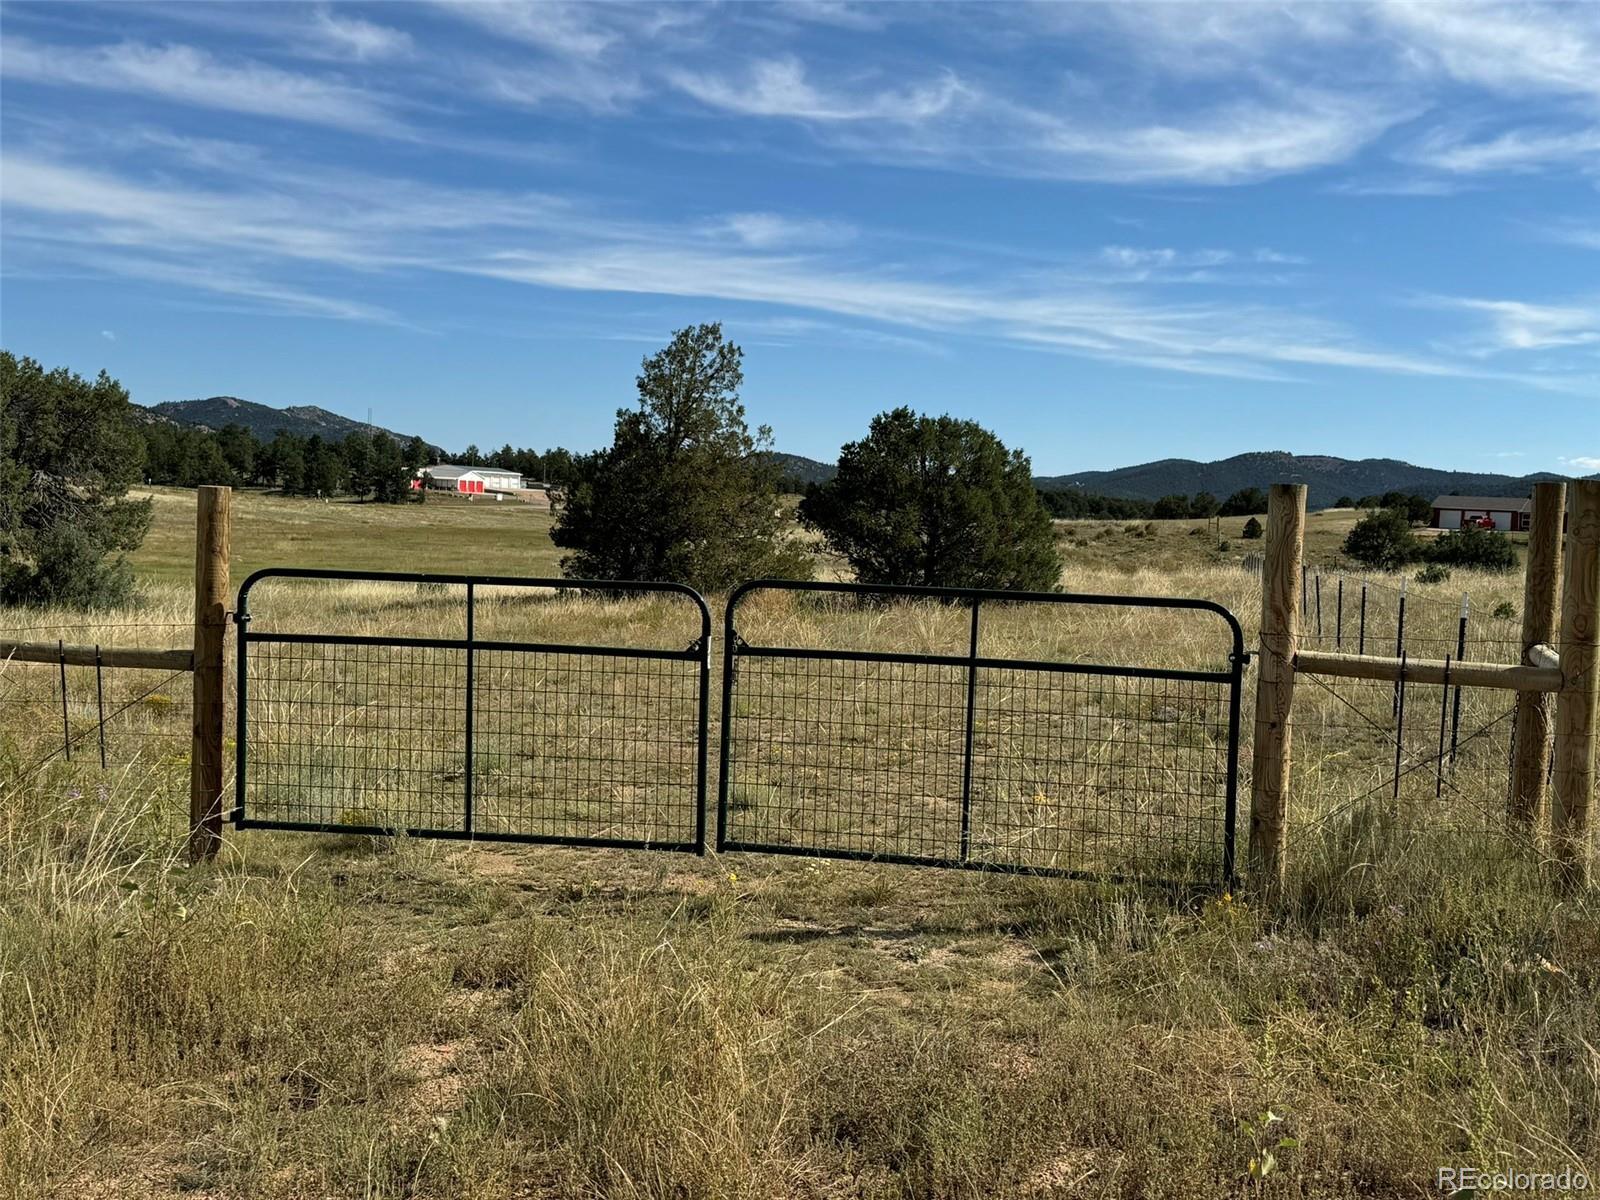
{"points": [[302, 420], [1326, 477], [798, 469]]}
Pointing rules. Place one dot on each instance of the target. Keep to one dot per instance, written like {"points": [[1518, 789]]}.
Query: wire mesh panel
{"points": [[971, 749], [430, 727]]}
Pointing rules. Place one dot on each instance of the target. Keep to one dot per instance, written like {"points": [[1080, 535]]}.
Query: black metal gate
{"points": [[470, 729], [940, 755]]}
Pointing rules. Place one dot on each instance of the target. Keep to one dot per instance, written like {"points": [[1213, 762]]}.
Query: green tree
{"points": [[326, 471], [1382, 539], [1344, 502], [558, 466], [389, 473], [1252, 529], [1204, 505], [239, 448], [935, 501], [356, 450], [204, 463], [1416, 509], [1171, 507], [68, 452], [1246, 502], [684, 492]]}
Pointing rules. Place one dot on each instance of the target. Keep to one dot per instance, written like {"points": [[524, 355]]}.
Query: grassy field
{"points": [[446, 534], [449, 534], [342, 1016]]}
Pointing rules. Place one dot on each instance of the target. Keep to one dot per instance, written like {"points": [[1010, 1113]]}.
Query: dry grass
{"points": [[342, 1017]]}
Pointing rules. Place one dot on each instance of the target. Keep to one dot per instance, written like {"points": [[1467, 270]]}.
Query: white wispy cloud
{"points": [[584, 85], [782, 87], [274, 296], [187, 75], [1454, 150], [1584, 462], [1515, 49], [1519, 325], [1573, 235], [568, 29], [355, 38], [1415, 185], [108, 334], [1167, 256], [766, 231]]}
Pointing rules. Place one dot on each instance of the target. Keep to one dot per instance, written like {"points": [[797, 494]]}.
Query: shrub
{"points": [[1382, 539], [1252, 529], [1434, 573], [1477, 549], [1505, 611]]}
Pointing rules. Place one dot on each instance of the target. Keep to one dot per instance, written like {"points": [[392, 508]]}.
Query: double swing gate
{"points": [[928, 726]]}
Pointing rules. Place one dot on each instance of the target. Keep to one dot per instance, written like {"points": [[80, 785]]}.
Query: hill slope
{"points": [[799, 470], [1327, 478], [263, 420]]}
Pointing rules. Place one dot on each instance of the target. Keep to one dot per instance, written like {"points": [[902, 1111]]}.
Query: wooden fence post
{"points": [[1280, 638], [1541, 593], [1580, 689], [212, 516]]}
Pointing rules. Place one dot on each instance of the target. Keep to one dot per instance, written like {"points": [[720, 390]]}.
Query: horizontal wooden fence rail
{"points": [[103, 656], [1511, 676]]}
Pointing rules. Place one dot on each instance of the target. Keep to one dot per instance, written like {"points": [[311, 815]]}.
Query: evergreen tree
{"points": [[68, 453], [935, 501], [327, 473], [684, 492], [1246, 502]]}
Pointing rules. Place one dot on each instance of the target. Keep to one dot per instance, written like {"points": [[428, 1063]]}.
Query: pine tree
{"points": [[685, 492]]}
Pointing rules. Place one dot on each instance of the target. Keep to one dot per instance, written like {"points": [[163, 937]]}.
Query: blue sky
{"points": [[1110, 233]]}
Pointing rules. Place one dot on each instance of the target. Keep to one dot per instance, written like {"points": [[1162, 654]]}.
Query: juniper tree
{"points": [[68, 453], [935, 501]]}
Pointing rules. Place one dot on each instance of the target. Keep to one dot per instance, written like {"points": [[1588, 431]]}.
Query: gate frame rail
{"points": [[735, 647], [699, 652]]}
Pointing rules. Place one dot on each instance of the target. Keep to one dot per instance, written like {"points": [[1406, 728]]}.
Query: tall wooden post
{"points": [[212, 518], [1541, 596], [1280, 639], [1580, 690]]}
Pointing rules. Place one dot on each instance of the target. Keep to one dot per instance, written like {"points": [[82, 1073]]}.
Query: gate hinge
{"points": [[239, 618], [698, 646], [1242, 658]]}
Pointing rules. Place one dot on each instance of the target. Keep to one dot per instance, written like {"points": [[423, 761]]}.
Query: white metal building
{"points": [[448, 477]]}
